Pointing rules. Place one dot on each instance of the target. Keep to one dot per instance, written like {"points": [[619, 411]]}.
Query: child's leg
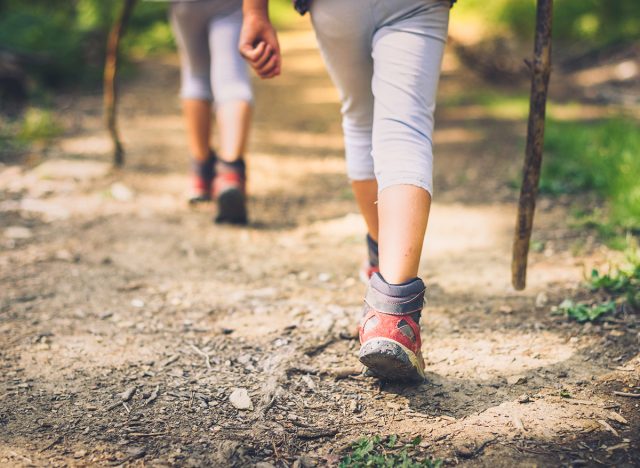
{"points": [[190, 30], [366, 193], [404, 212], [231, 85], [344, 30], [407, 53], [197, 115], [233, 96]]}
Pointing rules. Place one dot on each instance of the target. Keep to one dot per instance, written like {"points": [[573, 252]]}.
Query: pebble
{"points": [[17, 232], [541, 300], [516, 379], [239, 398], [121, 192], [324, 277], [524, 398]]}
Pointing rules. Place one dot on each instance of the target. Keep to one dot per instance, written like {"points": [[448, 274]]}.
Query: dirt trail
{"points": [[110, 282]]}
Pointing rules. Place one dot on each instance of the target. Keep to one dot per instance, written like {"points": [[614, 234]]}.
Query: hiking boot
{"points": [[390, 330], [370, 266], [203, 173], [229, 187]]}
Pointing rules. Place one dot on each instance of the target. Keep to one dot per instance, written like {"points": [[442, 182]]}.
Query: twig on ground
{"points": [[128, 393], [344, 372], [55, 442], [316, 433], [627, 394], [316, 349], [153, 395], [169, 360], [203, 354], [608, 427], [517, 422]]}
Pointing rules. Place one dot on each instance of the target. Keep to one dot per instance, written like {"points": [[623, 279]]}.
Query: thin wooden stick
{"points": [[109, 80], [541, 70]]}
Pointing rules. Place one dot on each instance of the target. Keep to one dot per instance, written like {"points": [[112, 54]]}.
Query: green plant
{"points": [[584, 312], [621, 281], [377, 452]]}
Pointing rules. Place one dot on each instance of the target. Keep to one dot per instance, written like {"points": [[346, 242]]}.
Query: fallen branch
{"points": [[627, 394], [109, 79], [203, 354]]}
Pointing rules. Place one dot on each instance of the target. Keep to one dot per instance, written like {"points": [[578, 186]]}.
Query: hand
{"points": [[259, 45]]}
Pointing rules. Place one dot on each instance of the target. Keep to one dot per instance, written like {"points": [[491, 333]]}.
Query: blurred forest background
{"points": [[52, 46]]}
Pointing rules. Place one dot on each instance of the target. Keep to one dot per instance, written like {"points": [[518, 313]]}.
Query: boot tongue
{"points": [[408, 288], [395, 299]]}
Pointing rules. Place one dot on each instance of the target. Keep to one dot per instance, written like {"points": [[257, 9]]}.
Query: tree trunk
{"points": [[110, 73], [541, 70]]}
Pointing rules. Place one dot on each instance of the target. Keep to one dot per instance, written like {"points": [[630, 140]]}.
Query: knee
{"points": [[196, 87], [403, 157], [233, 91]]}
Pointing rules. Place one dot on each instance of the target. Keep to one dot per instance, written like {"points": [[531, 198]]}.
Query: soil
{"points": [[127, 319]]}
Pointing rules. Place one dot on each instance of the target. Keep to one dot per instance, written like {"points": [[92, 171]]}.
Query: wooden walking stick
{"points": [[109, 79], [541, 69]]}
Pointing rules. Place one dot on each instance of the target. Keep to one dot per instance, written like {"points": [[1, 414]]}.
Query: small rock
{"points": [[505, 309], [324, 277], [17, 232], [244, 359], [354, 407], [465, 450], [239, 398], [524, 398], [80, 454], [516, 379], [264, 465], [304, 462], [138, 303], [121, 192], [309, 381], [541, 300]]}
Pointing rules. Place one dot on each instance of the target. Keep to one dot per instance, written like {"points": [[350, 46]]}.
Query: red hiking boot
{"points": [[229, 187], [390, 330], [203, 173]]}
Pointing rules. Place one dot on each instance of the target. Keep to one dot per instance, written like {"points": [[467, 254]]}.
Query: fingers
{"points": [[252, 54], [263, 58], [271, 67]]}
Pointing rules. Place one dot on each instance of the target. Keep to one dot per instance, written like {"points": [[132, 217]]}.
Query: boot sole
{"points": [[389, 360], [232, 208]]}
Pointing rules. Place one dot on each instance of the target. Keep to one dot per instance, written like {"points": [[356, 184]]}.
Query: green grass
{"points": [[591, 22], [620, 285], [37, 125], [603, 158], [377, 452]]}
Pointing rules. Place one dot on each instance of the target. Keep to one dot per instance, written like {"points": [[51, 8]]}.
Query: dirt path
{"points": [[111, 283]]}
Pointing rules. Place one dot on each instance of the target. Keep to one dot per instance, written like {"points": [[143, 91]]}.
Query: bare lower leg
{"points": [[233, 119], [404, 213], [197, 114], [366, 193]]}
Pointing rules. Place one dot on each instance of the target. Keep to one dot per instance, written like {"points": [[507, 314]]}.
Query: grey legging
{"points": [[384, 57], [207, 33]]}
